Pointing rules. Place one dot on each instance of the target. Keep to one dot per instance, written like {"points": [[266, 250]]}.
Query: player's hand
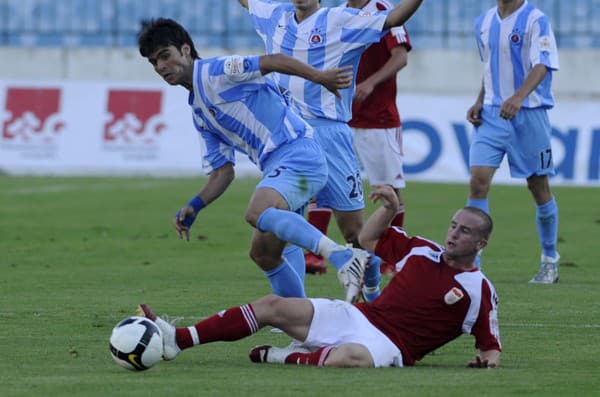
{"points": [[335, 79], [479, 363], [474, 114], [363, 90], [183, 220], [387, 195], [510, 107]]}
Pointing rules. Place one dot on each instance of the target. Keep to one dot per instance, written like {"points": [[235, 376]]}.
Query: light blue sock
{"points": [[547, 225], [295, 257], [285, 281], [339, 258], [372, 279], [290, 227], [482, 204]]}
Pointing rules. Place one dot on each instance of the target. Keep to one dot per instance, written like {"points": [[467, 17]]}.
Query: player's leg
{"points": [[292, 315], [531, 157], [488, 148], [339, 335], [350, 355], [546, 213], [266, 251], [295, 176], [319, 218]]}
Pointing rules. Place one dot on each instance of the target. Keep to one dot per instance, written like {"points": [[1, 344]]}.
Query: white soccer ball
{"points": [[136, 343]]}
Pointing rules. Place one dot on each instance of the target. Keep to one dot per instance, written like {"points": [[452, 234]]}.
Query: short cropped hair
{"points": [[487, 223], [163, 32]]}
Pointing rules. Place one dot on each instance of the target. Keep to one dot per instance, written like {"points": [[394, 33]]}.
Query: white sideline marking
{"points": [[539, 325], [76, 186]]}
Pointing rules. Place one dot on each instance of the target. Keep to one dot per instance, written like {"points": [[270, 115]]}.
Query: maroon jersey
{"points": [[379, 109], [428, 303]]}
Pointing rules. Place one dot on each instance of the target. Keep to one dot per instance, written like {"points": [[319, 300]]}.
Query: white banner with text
{"points": [[96, 128]]}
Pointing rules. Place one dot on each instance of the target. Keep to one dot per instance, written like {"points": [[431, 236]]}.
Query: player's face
{"points": [[174, 66], [464, 237], [306, 5]]}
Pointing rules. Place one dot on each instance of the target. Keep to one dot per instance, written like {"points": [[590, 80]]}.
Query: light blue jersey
{"points": [[236, 108], [510, 48], [330, 38]]}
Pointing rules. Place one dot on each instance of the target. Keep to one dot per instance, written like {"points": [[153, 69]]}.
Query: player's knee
{"points": [[252, 216], [350, 356], [264, 259], [266, 309]]}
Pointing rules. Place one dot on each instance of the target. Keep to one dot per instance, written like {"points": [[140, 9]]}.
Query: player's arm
{"points": [[474, 112], [512, 105], [218, 181], [381, 218], [397, 61], [332, 79], [486, 359], [401, 13], [244, 3]]}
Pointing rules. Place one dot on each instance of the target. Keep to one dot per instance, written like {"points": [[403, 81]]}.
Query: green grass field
{"points": [[78, 254]]}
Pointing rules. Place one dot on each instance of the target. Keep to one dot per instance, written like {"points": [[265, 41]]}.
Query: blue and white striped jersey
{"points": [[330, 38], [236, 108], [510, 48]]}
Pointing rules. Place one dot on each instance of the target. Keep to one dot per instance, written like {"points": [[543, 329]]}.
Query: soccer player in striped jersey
{"points": [[518, 49], [436, 296], [236, 108], [326, 38]]}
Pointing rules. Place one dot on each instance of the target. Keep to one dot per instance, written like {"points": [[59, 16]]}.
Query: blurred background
{"points": [[224, 24], [87, 49]]}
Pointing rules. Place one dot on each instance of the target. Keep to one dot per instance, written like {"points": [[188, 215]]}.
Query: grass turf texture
{"points": [[78, 255]]}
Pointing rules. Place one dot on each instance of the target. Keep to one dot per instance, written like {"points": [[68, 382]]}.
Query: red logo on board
{"points": [[134, 116], [32, 115]]}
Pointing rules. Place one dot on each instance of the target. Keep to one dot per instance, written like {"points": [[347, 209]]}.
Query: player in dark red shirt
{"points": [[436, 295]]}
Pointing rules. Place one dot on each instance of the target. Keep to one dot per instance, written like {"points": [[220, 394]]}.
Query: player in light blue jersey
{"points": [[327, 38], [236, 108], [518, 49]]}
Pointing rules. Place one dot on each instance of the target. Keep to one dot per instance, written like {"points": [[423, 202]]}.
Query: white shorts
{"points": [[336, 322], [380, 154]]}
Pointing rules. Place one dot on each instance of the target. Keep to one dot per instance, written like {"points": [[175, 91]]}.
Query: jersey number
{"points": [[546, 158], [276, 172], [356, 182]]}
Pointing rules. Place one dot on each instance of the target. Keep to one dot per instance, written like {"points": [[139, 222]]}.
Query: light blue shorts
{"points": [[344, 189], [297, 171], [525, 140]]}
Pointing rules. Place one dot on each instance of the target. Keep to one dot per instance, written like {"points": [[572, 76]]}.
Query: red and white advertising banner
{"points": [[99, 128]]}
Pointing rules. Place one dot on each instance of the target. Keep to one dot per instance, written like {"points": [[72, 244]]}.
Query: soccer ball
{"points": [[136, 343]]}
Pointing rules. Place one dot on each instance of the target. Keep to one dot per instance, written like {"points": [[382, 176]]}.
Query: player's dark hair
{"points": [[487, 225], [163, 32]]}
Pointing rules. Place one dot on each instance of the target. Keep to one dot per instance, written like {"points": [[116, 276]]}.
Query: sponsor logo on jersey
{"points": [[234, 65], [545, 44]]}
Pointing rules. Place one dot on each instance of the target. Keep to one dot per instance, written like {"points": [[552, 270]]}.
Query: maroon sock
{"points": [[398, 219], [319, 218], [228, 325], [315, 358]]}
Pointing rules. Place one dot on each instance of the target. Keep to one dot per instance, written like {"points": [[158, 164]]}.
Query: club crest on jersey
{"points": [[453, 296], [515, 36], [315, 38]]}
